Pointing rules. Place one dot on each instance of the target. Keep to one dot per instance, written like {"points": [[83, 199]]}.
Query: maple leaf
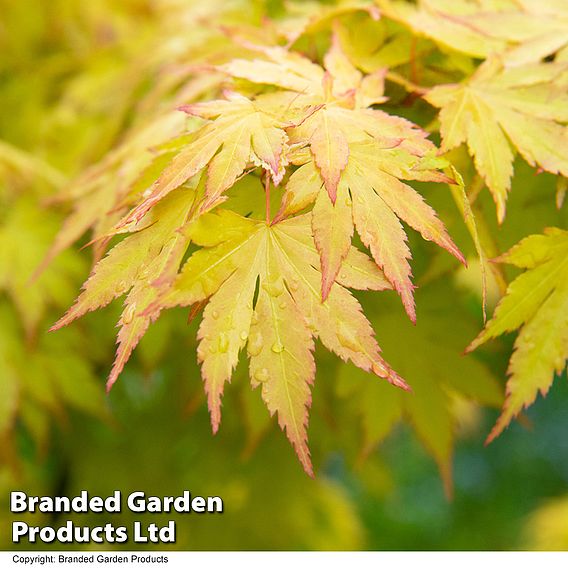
{"points": [[99, 193], [437, 372], [333, 91], [536, 29], [24, 236], [498, 109], [241, 133], [137, 266], [279, 328], [537, 302], [308, 17], [373, 199], [360, 154], [38, 382], [445, 22], [522, 31], [28, 165]]}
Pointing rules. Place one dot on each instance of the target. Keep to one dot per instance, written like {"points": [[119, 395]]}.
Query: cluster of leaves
{"points": [[536, 302], [284, 180], [274, 284], [39, 374]]}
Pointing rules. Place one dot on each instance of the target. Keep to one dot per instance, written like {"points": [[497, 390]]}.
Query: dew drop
{"points": [[215, 314], [348, 339], [170, 242], [121, 287], [377, 370], [277, 347], [311, 324], [275, 289], [262, 375], [294, 284], [223, 342], [255, 344], [244, 335], [129, 314]]}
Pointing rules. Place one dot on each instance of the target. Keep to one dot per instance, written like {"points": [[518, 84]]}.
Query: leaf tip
{"points": [[57, 325], [308, 468], [475, 343], [327, 281], [64, 320], [188, 109], [459, 255], [111, 380], [495, 433]]}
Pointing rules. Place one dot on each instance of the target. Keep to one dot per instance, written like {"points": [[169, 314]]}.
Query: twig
{"points": [[406, 83]]}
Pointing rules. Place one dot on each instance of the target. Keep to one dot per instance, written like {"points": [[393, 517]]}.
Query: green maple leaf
{"points": [[498, 110], [101, 193], [536, 302], [241, 255], [436, 370], [137, 266]]}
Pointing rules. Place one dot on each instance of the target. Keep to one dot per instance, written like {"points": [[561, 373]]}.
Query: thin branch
{"points": [[406, 83]]}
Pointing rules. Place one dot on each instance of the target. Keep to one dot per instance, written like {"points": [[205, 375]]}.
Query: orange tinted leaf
{"points": [[283, 259], [333, 228], [239, 133]]}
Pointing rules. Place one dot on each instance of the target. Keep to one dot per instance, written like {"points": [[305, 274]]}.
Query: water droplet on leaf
{"points": [[255, 344], [348, 339], [223, 342], [275, 289], [262, 375], [121, 287], [129, 314]]}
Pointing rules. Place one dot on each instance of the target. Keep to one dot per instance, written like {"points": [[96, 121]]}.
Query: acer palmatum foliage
{"points": [[275, 284], [254, 201]]}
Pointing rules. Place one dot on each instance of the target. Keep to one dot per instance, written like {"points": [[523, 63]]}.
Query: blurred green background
{"points": [[76, 79]]}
